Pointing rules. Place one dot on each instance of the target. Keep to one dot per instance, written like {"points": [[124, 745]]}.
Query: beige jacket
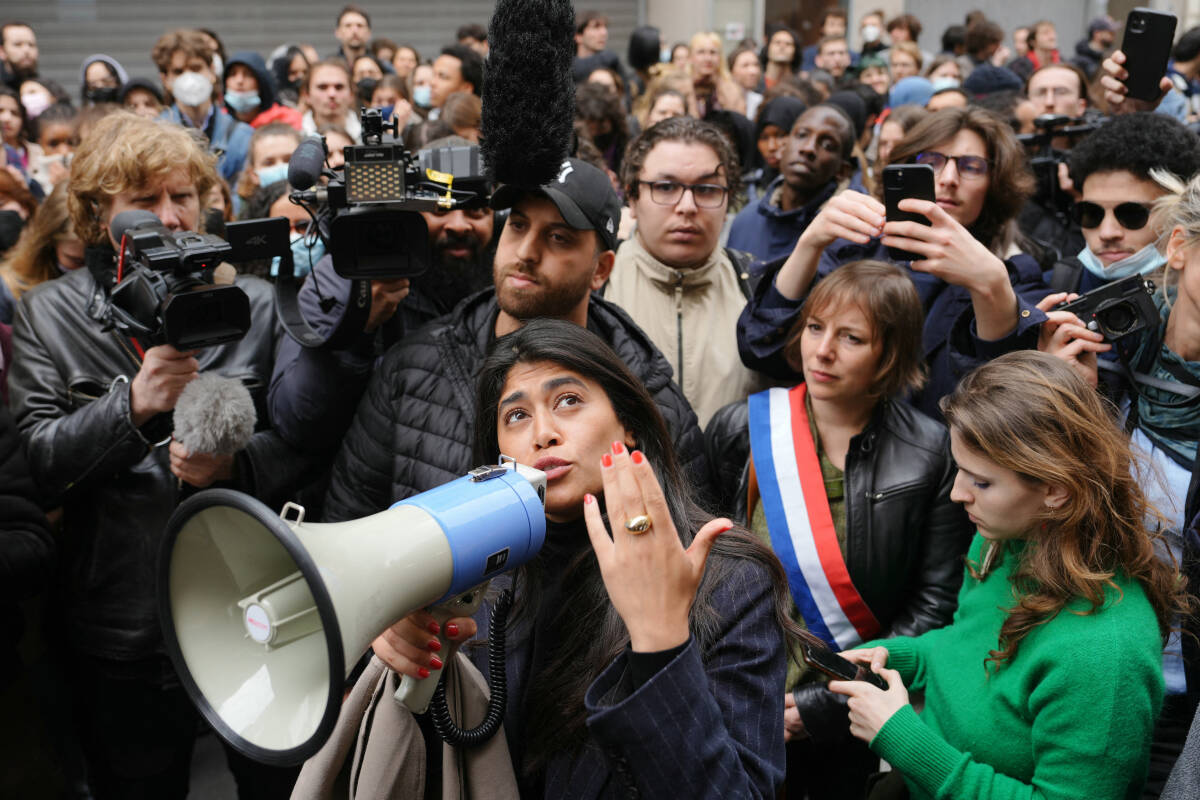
{"points": [[691, 316], [389, 751]]}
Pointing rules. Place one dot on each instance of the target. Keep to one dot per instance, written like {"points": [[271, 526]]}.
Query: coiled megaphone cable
{"points": [[439, 712]]}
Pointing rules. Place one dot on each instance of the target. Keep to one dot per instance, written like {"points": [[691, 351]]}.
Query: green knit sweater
{"points": [[1070, 716]]}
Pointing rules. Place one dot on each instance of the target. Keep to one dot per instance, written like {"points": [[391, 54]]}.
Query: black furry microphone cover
{"points": [[529, 92]]}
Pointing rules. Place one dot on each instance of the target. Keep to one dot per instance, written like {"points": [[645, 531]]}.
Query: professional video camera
{"points": [[1117, 309], [1045, 158], [165, 292], [368, 210]]}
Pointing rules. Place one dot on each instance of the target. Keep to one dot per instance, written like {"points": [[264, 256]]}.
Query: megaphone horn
{"points": [[264, 614]]}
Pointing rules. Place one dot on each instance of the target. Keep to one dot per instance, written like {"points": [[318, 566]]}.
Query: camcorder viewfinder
{"points": [[164, 293], [1117, 309]]}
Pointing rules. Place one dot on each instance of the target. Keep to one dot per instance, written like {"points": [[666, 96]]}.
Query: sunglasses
{"points": [[1131, 216]]}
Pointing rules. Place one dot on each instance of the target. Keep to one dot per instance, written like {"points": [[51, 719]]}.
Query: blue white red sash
{"points": [[792, 493]]}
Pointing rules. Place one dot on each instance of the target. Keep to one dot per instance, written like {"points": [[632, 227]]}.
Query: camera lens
{"points": [[1118, 318]]}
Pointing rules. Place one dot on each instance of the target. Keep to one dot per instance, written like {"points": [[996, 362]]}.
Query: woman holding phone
{"points": [[973, 281], [1049, 680], [636, 660], [851, 487]]}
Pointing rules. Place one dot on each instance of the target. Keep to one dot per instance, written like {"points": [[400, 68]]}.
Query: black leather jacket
{"points": [[69, 392], [905, 539]]}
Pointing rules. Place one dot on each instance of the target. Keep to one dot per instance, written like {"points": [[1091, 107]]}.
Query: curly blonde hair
{"points": [[123, 152]]}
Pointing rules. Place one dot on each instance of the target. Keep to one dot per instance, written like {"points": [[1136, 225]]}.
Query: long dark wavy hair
{"points": [[578, 653], [1010, 182], [1031, 413]]}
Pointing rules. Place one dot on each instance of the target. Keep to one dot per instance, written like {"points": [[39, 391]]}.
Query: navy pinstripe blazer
{"points": [[708, 725]]}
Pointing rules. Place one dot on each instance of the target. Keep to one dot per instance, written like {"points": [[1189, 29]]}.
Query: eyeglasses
{"points": [[1131, 216], [967, 166], [1054, 91], [668, 193]]}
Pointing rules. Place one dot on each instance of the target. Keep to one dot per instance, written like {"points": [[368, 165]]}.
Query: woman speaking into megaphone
{"points": [[646, 644]]}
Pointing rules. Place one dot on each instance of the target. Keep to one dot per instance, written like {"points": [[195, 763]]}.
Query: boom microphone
{"points": [[306, 163], [529, 91]]}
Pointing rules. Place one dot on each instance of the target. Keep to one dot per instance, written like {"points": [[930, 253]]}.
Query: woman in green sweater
{"points": [[1048, 682]]}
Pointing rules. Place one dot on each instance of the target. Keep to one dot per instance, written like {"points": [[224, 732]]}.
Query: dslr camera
{"points": [[164, 291], [1117, 309], [370, 206]]}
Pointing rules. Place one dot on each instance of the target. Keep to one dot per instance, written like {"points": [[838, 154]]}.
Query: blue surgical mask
{"points": [[242, 101], [304, 257], [272, 174], [664, 55], [423, 96], [937, 84], [1142, 262]]}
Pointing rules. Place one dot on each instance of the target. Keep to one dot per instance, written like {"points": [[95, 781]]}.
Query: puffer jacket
{"points": [[70, 391], [905, 539], [413, 429]]}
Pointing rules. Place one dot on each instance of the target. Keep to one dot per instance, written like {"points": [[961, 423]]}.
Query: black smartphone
{"points": [[901, 181], [825, 660], [1149, 35]]}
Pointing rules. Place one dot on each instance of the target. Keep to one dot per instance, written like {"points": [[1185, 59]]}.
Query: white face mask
{"points": [[871, 33], [192, 89], [218, 65]]}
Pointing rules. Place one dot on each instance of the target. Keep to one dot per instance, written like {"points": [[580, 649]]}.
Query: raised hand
{"points": [[651, 579]]}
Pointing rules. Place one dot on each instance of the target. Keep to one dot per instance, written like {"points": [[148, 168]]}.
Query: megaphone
{"points": [[264, 615]]}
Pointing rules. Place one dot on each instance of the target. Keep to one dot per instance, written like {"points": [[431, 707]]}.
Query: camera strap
{"points": [[348, 328], [1189, 390]]}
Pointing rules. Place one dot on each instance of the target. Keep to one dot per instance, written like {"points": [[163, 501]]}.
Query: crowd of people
{"points": [[772, 419]]}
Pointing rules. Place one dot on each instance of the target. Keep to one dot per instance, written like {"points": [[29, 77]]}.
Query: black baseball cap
{"points": [[583, 195]]}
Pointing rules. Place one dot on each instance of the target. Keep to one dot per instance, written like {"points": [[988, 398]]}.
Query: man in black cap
{"points": [[413, 429]]}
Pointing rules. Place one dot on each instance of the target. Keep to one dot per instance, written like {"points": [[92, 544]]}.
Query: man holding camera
{"points": [[93, 408], [1112, 171], [413, 431], [315, 391]]}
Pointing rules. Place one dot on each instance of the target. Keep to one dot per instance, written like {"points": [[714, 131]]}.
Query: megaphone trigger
{"points": [[415, 693]]}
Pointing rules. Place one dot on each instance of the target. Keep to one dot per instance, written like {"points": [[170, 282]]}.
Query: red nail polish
{"points": [[434, 628], [424, 673], [617, 448], [638, 457], [452, 630], [588, 499], [435, 662], [606, 460], [434, 645]]}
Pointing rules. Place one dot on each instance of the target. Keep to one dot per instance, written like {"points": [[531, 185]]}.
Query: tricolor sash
{"points": [[793, 498]]}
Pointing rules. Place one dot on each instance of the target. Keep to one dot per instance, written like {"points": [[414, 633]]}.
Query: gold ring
{"points": [[639, 524]]}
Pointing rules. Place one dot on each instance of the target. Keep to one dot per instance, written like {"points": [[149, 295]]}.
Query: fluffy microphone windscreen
{"points": [[306, 163], [528, 91], [214, 414]]}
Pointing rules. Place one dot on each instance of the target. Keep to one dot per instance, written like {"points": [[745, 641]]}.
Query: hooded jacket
{"points": [[269, 110], [414, 427]]}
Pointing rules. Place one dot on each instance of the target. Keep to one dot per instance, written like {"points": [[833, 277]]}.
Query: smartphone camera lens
{"points": [[1137, 24]]}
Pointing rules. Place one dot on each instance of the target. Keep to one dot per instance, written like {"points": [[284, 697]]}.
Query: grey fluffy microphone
{"points": [[214, 414]]}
